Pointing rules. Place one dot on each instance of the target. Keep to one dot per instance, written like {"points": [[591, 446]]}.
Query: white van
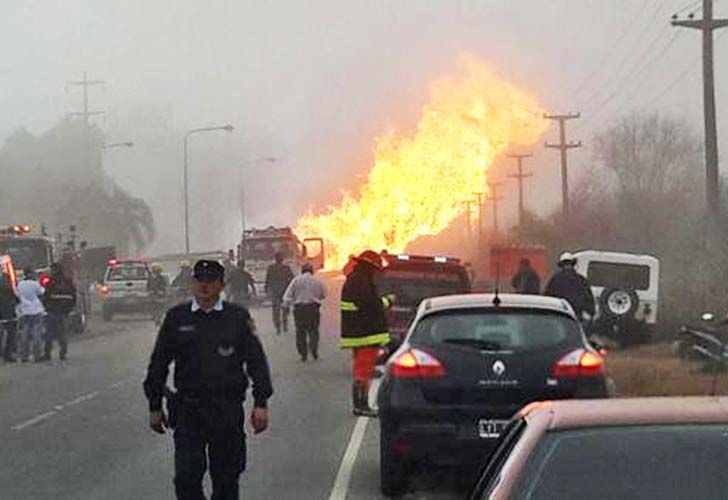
{"points": [[625, 288]]}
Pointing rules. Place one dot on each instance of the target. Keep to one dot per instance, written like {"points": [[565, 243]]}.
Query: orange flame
{"points": [[418, 184]]}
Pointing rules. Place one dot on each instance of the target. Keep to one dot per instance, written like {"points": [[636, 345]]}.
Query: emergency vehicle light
{"points": [[441, 260], [403, 257], [113, 262]]}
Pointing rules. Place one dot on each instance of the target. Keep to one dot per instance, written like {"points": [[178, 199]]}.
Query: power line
{"points": [[612, 50]]}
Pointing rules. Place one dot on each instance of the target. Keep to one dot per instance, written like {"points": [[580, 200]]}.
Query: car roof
{"points": [[615, 256], [575, 414], [487, 300]]}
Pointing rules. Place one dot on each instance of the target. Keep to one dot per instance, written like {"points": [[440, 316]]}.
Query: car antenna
{"points": [[496, 298]]}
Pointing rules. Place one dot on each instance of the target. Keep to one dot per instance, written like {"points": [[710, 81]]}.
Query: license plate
{"points": [[491, 429]]}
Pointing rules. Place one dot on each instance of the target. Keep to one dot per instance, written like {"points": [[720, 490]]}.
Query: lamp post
{"points": [[227, 128], [268, 159]]}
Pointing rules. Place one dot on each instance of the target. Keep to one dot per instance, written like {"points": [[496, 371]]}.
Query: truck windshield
{"points": [[266, 249], [33, 252]]}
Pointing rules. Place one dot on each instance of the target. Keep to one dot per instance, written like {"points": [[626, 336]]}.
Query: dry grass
{"points": [[655, 371]]}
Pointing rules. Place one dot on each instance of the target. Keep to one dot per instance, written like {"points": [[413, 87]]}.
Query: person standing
{"points": [[30, 313], [571, 286], [240, 285], [60, 300], [305, 294], [277, 279], [364, 325], [8, 301], [526, 280], [215, 352]]}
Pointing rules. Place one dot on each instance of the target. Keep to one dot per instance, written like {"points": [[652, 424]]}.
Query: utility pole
{"points": [[494, 199], [519, 175], [563, 146], [468, 222], [86, 113], [712, 178], [480, 202]]}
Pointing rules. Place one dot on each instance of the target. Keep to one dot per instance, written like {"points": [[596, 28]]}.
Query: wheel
{"points": [[107, 314], [392, 468], [619, 303]]}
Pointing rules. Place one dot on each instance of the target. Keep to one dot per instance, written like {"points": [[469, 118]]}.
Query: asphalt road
{"points": [[78, 430]]}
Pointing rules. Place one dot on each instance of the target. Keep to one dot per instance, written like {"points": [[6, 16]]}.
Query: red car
{"points": [[642, 448]]}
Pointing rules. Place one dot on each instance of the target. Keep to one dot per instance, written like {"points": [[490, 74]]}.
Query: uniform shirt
{"points": [[60, 296], [29, 293], [305, 289], [215, 354], [363, 317]]}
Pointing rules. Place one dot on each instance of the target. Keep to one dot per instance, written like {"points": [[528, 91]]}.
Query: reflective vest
{"points": [[363, 321]]}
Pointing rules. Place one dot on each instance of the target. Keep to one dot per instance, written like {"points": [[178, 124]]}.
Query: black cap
{"points": [[208, 269]]}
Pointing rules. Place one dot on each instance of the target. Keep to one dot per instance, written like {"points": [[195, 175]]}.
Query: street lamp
{"points": [[226, 128], [267, 159]]}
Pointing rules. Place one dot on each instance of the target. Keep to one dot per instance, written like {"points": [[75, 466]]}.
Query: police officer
{"points": [[364, 325], [60, 301], [215, 349]]}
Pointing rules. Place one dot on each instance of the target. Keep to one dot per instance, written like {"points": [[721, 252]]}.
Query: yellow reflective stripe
{"points": [[369, 340], [387, 301], [348, 306]]}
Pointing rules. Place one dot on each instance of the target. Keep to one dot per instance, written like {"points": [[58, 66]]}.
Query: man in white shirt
{"points": [[306, 293], [31, 315]]}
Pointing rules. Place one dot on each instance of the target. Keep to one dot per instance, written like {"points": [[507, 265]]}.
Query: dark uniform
{"points": [[363, 325], [7, 318], [526, 281], [60, 301], [241, 285], [277, 279], [571, 286], [215, 353]]}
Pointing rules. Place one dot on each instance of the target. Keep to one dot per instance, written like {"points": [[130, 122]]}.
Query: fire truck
{"points": [[259, 247], [27, 249]]}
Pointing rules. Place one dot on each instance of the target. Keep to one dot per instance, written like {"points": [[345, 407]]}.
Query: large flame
{"points": [[419, 184]]}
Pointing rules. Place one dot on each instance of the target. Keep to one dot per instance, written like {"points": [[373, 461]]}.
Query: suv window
{"points": [[645, 462], [612, 274], [127, 273], [502, 329]]}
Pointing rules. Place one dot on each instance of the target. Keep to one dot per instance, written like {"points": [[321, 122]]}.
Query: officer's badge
{"points": [[226, 351]]}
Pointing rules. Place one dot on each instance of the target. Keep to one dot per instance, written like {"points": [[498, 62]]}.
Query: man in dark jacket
{"points": [[364, 325], [526, 280], [215, 352], [8, 300], [277, 279], [567, 284], [240, 284], [60, 301]]}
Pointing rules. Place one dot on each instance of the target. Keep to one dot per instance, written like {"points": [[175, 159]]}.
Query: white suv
{"points": [[125, 289]]}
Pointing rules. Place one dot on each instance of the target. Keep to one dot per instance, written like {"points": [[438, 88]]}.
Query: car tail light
{"points": [[580, 363], [414, 363]]}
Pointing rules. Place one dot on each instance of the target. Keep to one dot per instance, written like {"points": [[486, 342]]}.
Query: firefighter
{"points": [[8, 301], [571, 286], [364, 325], [182, 283], [60, 301], [240, 285], [277, 279], [215, 352]]}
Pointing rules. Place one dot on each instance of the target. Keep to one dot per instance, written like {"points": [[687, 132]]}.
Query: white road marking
{"points": [[341, 484], [33, 421], [82, 398], [119, 383]]}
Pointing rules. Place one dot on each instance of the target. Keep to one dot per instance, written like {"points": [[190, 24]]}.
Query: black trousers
{"points": [[56, 331], [7, 348], [307, 318], [209, 436], [280, 314]]}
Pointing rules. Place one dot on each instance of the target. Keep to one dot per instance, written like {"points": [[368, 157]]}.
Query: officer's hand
{"points": [[158, 421], [259, 419]]}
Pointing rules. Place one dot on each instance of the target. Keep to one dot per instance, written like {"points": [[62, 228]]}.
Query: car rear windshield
{"points": [[612, 274], [412, 286], [645, 462], [501, 330], [128, 273]]}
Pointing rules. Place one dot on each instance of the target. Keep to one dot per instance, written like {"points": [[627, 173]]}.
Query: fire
{"points": [[419, 183]]}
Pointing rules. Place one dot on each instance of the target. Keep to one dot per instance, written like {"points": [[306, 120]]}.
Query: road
{"points": [[77, 430]]}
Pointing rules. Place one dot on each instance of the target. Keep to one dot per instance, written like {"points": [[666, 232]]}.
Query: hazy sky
{"points": [[313, 82]]}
